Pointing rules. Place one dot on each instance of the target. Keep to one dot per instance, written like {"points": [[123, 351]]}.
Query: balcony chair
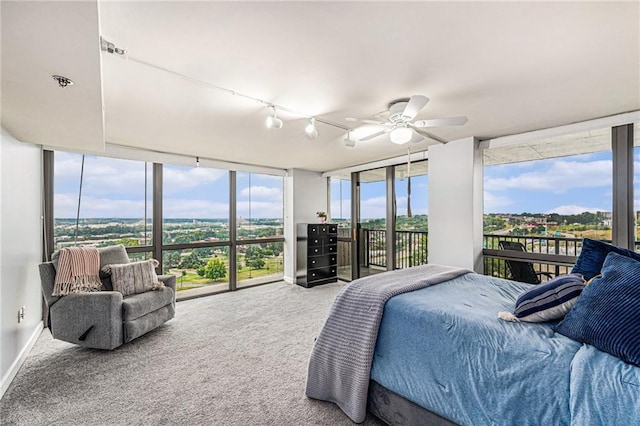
{"points": [[522, 271], [105, 319]]}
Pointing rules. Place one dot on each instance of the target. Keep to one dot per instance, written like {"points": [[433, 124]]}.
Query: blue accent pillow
{"points": [[592, 257], [607, 314], [551, 300]]}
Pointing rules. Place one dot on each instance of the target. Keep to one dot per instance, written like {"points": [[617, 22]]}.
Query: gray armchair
{"points": [[106, 319]]}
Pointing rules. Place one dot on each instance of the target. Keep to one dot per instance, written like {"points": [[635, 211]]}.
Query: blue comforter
{"points": [[445, 349]]}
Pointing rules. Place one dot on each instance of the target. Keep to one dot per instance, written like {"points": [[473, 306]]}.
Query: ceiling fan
{"points": [[401, 128]]}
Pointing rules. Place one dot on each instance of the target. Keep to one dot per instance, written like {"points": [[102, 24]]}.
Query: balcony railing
{"points": [[411, 248], [555, 255]]}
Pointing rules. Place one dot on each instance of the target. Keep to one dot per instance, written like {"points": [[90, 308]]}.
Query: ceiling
{"points": [[509, 67]]}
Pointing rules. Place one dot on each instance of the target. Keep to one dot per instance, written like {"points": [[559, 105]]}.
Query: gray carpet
{"points": [[231, 359]]}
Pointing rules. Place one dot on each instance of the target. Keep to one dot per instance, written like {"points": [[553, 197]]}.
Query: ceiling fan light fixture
{"points": [[311, 130], [401, 135]]}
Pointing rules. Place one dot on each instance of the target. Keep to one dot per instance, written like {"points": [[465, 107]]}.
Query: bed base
{"points": [[393, 409]]}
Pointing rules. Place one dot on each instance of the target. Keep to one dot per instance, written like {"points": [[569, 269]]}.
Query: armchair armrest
{"points": [[168, 280], [89, 319]]}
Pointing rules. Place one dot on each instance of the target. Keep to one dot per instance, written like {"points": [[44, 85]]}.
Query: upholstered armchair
{"points": [[106, 319]]}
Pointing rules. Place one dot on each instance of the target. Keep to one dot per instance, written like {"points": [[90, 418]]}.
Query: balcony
{"points": [[555, 255], [411, 249]]}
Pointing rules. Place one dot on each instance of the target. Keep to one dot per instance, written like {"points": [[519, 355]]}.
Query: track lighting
{"points": [[348, 141], [311, 130], [401, 135], [273, 122]]}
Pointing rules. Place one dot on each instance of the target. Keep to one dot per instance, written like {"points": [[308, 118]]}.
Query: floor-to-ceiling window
{"points": [[636, 182], [195, 227], [340, 202], [259, 227], [212, 241], [101, 201], [412, 214], [372, 221]]}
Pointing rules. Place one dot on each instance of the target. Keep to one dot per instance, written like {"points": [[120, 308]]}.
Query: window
{"points": [[260, 206], [341, 203], [411, 214], [259, 263], [548, 195], [340, 192], [195, 205], [114, 205], [203, 268], [636, 181]]}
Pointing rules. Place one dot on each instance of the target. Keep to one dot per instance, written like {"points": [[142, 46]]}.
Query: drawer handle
{"points": [[313, 261]]}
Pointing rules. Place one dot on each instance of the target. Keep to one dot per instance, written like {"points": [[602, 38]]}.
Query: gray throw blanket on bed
{"points": [[340, 362]]}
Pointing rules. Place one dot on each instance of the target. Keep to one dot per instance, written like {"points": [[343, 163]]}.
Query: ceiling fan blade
{"points": [[365, 120], [441, 122], [415, 104], [416, 138], [374, 135], [430, 135]]}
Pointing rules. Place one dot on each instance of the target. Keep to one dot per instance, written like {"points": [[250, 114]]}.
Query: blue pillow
{"points": [[607, 314], [551, 300], [592, 257]]}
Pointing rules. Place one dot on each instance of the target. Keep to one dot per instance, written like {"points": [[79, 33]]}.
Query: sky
{"points": [[115, 188], [567, 185]]}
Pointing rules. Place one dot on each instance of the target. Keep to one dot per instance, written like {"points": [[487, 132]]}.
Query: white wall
{"points": [[20, 252], [305, 194], [456, 204]]}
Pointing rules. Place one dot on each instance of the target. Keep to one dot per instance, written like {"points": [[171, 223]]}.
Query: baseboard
{"points": [[17, 363], [288, 279]]}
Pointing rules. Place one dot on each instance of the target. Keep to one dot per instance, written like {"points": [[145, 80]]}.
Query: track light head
{"points": [[311, 130], [348, 141], [273, 122]]}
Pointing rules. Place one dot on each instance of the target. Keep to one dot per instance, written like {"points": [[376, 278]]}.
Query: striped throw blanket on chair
{"points": [[78, 269]]}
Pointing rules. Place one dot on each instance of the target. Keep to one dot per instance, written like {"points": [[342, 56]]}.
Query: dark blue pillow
{"points": [[607, 314], [549, 301], [592, 257]]}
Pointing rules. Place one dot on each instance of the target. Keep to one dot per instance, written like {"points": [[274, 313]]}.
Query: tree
{"points": [[128, 242], [170, 259], [255, 262], [215, 269], [192, 261]]}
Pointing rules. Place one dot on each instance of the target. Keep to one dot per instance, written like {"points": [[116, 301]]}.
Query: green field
{"points": [[191, 279]]}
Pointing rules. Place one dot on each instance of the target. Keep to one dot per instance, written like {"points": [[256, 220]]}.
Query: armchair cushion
{"points": [[135, 306], [135, 277]]}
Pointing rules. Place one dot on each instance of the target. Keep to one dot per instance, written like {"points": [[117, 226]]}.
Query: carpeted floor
{"points": [[232, 359]]}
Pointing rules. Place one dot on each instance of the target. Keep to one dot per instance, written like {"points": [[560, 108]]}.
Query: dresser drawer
{"points": [[322, 261], [316, 240], [322, 249], [321, 273]]}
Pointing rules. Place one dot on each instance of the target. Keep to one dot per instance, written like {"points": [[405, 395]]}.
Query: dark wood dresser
{"points": [[317, 254]]}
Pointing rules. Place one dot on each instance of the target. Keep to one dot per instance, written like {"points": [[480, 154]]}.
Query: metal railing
{"points": [[555, 255], [561, 252], [411, 248]]}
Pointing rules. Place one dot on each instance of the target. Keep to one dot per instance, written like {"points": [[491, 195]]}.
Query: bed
{"points": [[442, 356]]}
